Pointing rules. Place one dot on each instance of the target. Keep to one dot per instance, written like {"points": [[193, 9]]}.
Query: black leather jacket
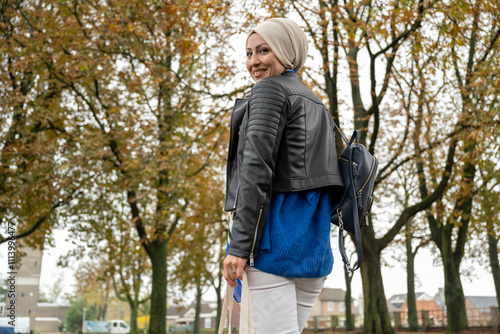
{"points": [[281, 140]]}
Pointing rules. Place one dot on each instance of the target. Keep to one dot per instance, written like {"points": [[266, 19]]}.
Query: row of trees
{"points": [[115, 117], [110, 129], [424, 90]]}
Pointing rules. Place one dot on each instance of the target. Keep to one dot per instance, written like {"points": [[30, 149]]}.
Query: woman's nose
{"points": [[254, 60]]}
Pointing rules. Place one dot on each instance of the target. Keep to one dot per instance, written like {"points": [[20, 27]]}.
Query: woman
{"points": [[282, 174]]}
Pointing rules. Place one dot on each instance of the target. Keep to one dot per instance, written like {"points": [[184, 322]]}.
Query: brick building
{"points": [[44, 317]]}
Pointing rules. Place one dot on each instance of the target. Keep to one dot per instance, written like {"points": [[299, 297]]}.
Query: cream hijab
{"points": [[287, 41]]}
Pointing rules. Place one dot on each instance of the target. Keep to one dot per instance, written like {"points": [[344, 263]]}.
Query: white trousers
{"points": [[281, 305]]}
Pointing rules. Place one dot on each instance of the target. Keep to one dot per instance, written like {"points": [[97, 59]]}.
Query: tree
{"points": [[132, 83], [74, 316], [411, 253], [116, 255], [416, 236], [470, 52], [52, 293], [349, 317], [94, 286], [412, 92], [380, 31], [205, 225], [494, 261], [128, 268], [486, 219], [490, 210], [32, 184]]}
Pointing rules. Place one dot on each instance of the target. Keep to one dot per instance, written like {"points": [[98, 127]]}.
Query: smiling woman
{"points": [[282, 174], [261, 61]]}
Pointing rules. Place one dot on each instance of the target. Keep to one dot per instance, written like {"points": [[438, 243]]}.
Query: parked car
{"points": [[110, 326], [22, 325]]}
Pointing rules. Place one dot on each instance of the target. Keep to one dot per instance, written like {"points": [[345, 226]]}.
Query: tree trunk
{"points": [[452, 256], [494, 263], [377, 320], [411, 300], [454, 293], [361, 118], [105, 306], [157, 322], [134, 308], [349, 321], [218, 291], [331, 74], [196, 328]]}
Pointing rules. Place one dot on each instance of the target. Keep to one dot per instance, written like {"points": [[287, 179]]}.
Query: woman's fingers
{"points": [[233, 269]]}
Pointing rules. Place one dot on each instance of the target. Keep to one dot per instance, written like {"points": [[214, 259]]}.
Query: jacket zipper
{"points": [[255, 238], [236, 197]]}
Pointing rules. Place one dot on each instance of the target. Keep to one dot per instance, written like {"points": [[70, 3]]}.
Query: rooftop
{"points": [[329, 294], [483, 302]]}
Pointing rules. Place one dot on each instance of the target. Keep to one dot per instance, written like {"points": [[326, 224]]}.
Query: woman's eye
{"points": [[249, 55], [264, 51]]}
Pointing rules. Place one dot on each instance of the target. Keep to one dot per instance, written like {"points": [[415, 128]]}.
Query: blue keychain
{"points": [[237, 291]]}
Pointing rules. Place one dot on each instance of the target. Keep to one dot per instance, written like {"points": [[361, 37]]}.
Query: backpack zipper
{"points": [[255, 238], [360, 191], [353, 163], [364, 220]]}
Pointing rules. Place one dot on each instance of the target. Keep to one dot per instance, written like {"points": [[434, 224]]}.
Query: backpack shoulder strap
{"points": [[341, 133]]}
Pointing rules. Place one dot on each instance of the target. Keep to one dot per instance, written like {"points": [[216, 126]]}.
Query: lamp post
{"points": [[83, 320]]}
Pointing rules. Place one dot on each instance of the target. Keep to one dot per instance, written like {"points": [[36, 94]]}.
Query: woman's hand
{"points": [[233, 269]]}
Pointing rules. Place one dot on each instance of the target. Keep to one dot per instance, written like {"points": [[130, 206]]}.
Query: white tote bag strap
{"points": [[246, 314], [227, 306]]}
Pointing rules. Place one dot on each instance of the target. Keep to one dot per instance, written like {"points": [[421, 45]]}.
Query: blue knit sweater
{"points": [[296, 238]]}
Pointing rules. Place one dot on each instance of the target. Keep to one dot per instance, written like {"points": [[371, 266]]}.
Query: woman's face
{"points": [[261, 61]]}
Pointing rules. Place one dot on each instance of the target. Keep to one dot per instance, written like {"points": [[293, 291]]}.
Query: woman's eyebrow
{"points": [[258, 46]]}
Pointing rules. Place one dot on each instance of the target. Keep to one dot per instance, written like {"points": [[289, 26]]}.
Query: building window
{"points": [[342, 306], [330, 306], [208, 322]]}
